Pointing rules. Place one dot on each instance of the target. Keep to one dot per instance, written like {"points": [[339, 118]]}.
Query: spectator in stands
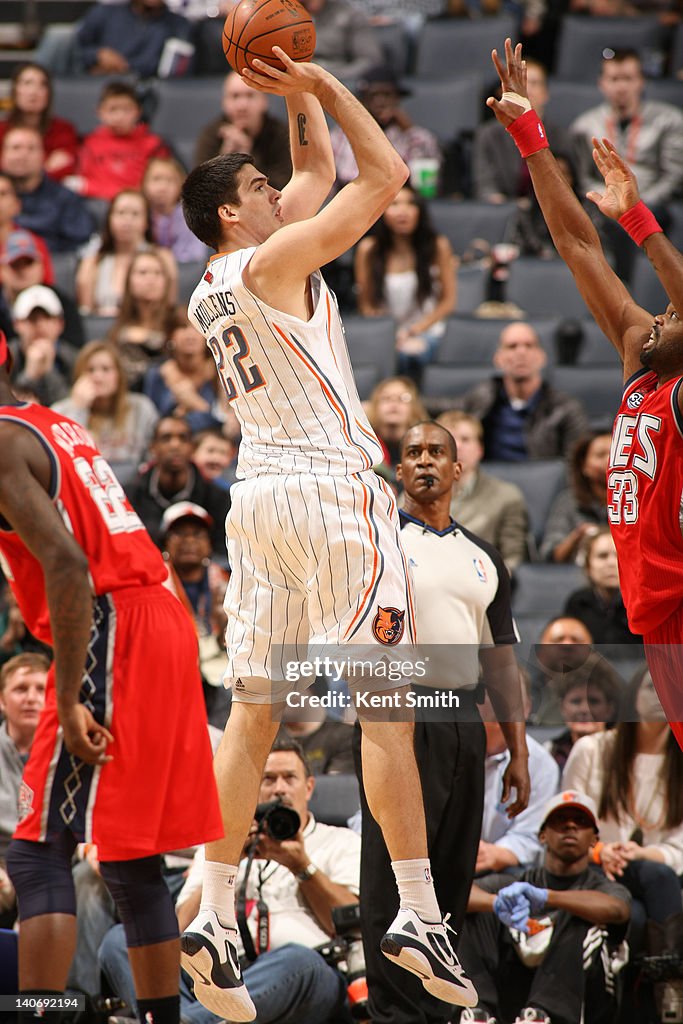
{"points": [[493, 509], [649, 132], [406, 270], [115, 38], [22, 267], [599, 605], [171, 478], [381, 92], [185, 532], [23, 680], [161, 186], [31, 107], [10, 208], [522, 415], [15, 637], [101, 277], [55, 213], [186, 384], [586, 708], [42, 360], [579, 510], [121, 422], [344, 43], [498, 171], [393, 406], [565, 658], [214, 456], [569, 966], [300, 880], [326, 742], [512, 842], [245, 126], [634, 773], [115, 155], [147, 314]]}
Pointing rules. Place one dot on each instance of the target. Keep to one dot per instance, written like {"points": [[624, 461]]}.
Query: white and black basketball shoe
{"points": [[208, 952], [425, 950]]}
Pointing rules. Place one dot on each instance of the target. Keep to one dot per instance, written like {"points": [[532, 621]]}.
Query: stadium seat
{"points": [[569, 99], [185, 106], [596, 349], [646, 288], [544, 288], [582, 41], [76, 99], [446, 108], [335, 799], [541, 588], [472, 283], [372, 340], [471, 339], [96, 328], [367, 377], [665, 90], [447, 382], [64, 265], [445, 44], [462, 220], [599, 389], [539, 480], [209, 58], [393, 41], [98, 210], [676, 62], [189, 276]]}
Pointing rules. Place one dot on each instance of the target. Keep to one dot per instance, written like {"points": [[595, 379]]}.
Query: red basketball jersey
{"points": [[95, 510], [644, 494]]}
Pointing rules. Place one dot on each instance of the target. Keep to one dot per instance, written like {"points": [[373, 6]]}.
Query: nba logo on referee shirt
{"points": [[388, 625], [479, 569]]}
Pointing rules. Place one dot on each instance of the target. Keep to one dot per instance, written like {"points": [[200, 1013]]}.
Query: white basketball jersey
{"points": [[289, 381]]}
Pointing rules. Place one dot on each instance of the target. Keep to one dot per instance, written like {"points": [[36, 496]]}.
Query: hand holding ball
{"points": [[253, 27]]}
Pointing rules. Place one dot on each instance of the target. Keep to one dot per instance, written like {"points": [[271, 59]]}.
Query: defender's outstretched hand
{"points": [[298, 76], [621, 188], [513, 81]]}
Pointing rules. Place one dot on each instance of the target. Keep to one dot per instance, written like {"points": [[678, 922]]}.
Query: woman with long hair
{"points": [[393, 406], [406, 270], [634, 773], [578, 511], [121, 423], [599, 605], [186, 384], [102, 274], [31, 107], [147, 315]]}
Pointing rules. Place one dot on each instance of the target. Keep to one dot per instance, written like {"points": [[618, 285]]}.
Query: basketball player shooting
{"points": [[313, 534], [645, 474]]}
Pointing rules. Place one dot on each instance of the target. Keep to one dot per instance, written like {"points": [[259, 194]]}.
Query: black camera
{"points": [[277, 820]]}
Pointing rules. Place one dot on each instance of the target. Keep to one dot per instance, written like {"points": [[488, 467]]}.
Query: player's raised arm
{"points": [[299, 249], [312, 159], [571, 228], [25, 504], [621, 202]]}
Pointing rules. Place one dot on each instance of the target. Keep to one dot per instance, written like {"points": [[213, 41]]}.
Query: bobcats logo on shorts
{"points": [[388, 625], [25, 802]]}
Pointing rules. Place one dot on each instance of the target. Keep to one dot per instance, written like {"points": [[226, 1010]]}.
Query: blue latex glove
{"points": [[512, 909], [538, 898]]}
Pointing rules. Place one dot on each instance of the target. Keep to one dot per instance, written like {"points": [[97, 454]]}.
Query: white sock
{"points": [[416, 888], [218, 891]]}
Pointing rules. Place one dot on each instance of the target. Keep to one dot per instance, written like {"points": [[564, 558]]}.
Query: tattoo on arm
{"points": [[301, 124]]}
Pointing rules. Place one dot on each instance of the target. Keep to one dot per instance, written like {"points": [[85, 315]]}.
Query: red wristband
{"points": [[639, 223], [528, 132]]}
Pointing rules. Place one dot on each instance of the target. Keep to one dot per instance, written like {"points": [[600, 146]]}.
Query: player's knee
{"points": [[41, 876], [142, 899]]}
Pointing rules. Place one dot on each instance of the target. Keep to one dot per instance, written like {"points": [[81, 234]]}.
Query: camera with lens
{"points": [[346, 922], [276, 820]]}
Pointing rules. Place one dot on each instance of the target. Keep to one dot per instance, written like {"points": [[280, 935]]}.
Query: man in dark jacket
{"points": [[116, 38], [523, 416], [172, 477]]}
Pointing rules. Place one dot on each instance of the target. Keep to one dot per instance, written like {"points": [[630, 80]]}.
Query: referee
{"points": [[464, 623]]}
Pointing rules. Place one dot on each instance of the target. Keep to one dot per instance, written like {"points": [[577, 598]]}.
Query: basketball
{"points": [[253, 27]]}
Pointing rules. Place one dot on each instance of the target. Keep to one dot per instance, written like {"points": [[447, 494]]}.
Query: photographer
{"points": [[292, 887]]}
